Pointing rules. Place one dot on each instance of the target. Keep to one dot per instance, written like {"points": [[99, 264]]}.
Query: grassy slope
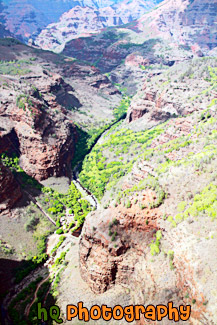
{"points": [[115, 156]]}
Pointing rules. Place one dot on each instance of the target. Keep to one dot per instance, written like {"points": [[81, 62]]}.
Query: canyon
{"points": [[35, 18], [115, 140], [81, 22], [135, 222], [157, 37], [39, 109]]}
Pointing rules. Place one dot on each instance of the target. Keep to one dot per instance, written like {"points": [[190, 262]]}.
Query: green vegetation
{"points": [[181, 206], [8, 41], [31, 264], [121, 111], [12, 161], [155, 245], [59, 231], [56, 283], [144, 47], [86, 140], [61, 240], [170, 146], [171, 257], [57, 203], [32, 223], [41, 294], [205, 203], [7, 249], [113, 234], [60, 259], [16, 67], [150, 182], [107, 162], [17, 307], [205, 131], [110, 35], [23, 101]]}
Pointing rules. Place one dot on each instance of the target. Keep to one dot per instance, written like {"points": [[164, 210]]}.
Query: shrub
{"points": [[31, 223], [155, 244], [128, 205], [61, 240], [59, 231]]}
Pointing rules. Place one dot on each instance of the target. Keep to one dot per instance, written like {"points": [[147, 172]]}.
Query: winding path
{"points": [[93, 201], [35, 295], [88, 195], [75, 173]]}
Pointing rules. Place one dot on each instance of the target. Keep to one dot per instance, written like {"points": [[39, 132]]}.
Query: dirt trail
{"points": [[35, 295], [40, 207], [93, 201]]}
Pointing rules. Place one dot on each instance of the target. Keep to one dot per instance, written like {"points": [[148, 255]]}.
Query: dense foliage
{"points": [[12, 161], [71, 201], [109, 161]]}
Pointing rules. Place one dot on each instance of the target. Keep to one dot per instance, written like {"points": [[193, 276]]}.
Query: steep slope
{"points": [[9, 189], [82, 21], [26, 18], [156, 230], [174, 31], [4, 32], [187, 23], [39, 107]]}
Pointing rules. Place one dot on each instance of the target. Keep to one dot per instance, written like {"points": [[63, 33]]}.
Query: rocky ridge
{"points": [[180, 91], [159, 36], [122, 237], [39, 16], [183, 23], [151, 219], [84, 21], [35, 15], [39, 107], [37, 127]]}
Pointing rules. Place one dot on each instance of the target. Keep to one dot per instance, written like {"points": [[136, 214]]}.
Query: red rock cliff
{"points": [[10, 191], [36, 124]]}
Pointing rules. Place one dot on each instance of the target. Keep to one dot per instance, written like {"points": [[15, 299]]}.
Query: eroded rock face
{"points": [[38, 127], [120, 237], [10, 191], [27, 18], [189, 23], [39, 106], [161, 97], [172, 32], [82, 21], [155, 106], [126, 259], [115, 242]]}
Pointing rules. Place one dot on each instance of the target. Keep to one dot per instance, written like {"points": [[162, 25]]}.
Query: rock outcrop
{"points": [[172, 32], [162, 97], [83, 21], [154, 107], [45, 136], [120, 237], [116, 243], [40, 101], [10, 191], [26, 19], [183, 23]]}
